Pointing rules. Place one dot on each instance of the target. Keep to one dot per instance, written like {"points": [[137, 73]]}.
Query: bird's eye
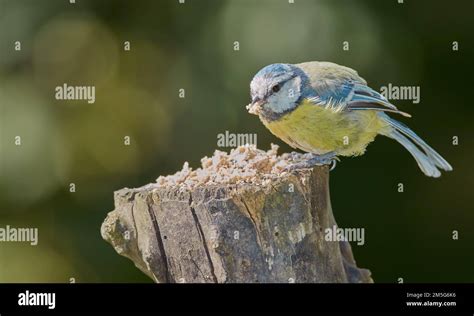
{"points": [[276, 88]]}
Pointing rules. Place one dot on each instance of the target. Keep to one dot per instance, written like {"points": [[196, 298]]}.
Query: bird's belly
{"points": [[319, 130]]}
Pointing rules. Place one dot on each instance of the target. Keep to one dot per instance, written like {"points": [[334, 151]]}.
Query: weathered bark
{"points": [[233, 233]]}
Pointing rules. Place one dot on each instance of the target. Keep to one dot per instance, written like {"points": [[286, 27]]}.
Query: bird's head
{"points": [[276, 90]]}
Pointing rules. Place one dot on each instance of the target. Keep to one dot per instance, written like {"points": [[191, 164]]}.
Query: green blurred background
{"points": [[191, 46]]}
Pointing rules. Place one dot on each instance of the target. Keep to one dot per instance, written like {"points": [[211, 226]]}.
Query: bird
{"points": [[328, 110]]}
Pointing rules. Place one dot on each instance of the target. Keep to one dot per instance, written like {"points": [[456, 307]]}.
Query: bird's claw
{"points": [[334, 163], [315, 160]]}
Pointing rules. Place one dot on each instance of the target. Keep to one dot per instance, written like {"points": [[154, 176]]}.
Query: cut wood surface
{"points": [[226, 233]]}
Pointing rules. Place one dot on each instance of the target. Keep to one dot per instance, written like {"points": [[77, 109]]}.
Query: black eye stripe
{"points": [[281, 84]]}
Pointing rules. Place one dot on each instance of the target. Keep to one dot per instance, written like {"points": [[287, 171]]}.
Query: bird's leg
{"points": [[329, 158]]}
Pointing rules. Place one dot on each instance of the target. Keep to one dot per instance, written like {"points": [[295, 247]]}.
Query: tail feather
{"points": [[439, 161], [427, 158], [425, 163]]}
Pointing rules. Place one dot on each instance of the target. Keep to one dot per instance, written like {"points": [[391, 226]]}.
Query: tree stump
{"points": [[237, 232]]}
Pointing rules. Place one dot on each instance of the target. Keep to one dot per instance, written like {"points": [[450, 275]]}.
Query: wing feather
{"points": [[365, 98], [340, 88]]}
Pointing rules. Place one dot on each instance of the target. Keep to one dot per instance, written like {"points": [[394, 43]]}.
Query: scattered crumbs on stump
{"points": [[244, 164]]}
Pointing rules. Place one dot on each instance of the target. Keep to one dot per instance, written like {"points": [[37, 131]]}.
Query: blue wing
{"points": [[349, 95]]}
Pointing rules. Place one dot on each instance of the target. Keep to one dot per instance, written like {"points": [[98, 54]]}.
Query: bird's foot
{"points": [[316, 160]]}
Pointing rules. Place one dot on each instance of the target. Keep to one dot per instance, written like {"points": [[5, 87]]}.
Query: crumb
{"points": [[244, 164]]}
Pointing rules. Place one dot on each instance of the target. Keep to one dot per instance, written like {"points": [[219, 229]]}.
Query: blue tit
{"points": [[328, 110]]}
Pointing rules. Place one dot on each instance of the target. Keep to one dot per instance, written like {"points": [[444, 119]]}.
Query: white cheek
{"points": [[285, 99]]}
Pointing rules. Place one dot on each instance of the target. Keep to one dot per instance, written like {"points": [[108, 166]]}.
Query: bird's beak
{"points": [[255, 107]]}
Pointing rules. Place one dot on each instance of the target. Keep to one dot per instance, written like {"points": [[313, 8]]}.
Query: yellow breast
{"points": [[319, 130]]}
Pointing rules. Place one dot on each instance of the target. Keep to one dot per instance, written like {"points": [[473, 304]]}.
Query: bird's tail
{"points": [[427, 158]]}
